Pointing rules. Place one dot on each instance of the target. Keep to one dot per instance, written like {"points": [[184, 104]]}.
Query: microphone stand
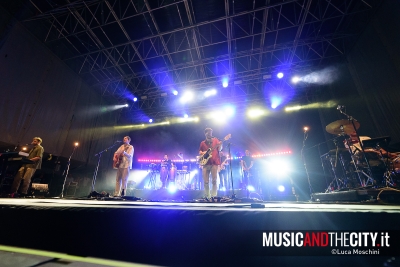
{"points": [[305, 164], [98, 164], [66, 174], [230, 169]]}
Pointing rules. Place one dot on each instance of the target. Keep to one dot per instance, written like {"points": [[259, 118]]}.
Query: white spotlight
{"points": [[187, 96], [210, 93], [278, 167], [295, 79]]}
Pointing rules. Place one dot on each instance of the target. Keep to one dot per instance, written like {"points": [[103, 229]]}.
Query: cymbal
{"points": [[335, 127]]}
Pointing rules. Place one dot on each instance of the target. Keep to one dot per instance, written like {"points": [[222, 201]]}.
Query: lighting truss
{"points": [[151, 47]]}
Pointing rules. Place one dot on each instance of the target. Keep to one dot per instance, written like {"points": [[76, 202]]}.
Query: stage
{"points": [[173, 233]]}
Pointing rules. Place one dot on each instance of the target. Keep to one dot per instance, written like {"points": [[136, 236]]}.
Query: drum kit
{"points": [[362, 162]]}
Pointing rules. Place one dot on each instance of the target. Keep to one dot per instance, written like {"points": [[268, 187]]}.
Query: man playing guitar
{"points": [[246, 164], [212, 164], [223, 178], [123, 162]]}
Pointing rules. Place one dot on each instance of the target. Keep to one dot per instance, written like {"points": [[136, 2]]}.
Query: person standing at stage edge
{"points": [[123, 162], [212, 164], [26, 172]]}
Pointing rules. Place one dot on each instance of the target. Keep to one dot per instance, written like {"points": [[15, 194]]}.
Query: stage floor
{"points": [[172, 233]]}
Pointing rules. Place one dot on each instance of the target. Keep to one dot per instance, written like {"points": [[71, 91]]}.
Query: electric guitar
{"points": [[203, 159], [222, 166]]}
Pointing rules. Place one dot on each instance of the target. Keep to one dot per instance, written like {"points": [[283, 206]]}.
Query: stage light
{"points": [[76, 144], [328, 104], [278, 167], [275, 101], [229, 111], [126, 105], [280, 75], [288, 109], [210, 93], [174, 92], [251, 188], [24, 148], [295, 79], [134, 99], [254, 113], [187, 96], [281, 188], [185, 116], [306, 129], [172, 188], [225, 82], [151, 120]]}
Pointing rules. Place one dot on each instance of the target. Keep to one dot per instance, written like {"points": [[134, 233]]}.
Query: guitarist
{"points": [[223, 178], [247, 164], [212, 164], [123, 161]]}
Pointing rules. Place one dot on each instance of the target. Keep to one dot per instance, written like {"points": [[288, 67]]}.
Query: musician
{"points": [[123, 156], [211, 166], [223, 178], [26, 172], [166, 165], [246, 163]]}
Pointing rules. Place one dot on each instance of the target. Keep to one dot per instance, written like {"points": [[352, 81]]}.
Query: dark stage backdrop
{"points": [[42, 97]]}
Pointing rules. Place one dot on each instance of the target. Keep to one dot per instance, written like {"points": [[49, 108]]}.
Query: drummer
{"points": [[354, 142], [167, 168]]}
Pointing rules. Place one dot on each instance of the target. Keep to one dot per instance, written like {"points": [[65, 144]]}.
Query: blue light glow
{"points": [[225, 82], [280, 75], [275, 101]]}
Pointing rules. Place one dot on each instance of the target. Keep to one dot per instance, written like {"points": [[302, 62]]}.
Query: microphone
{"points": [[340, 107]]}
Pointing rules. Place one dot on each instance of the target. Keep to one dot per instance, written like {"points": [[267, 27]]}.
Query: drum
{"points": [[373, 157], [395, 164], [163, 173], [172, 174]]}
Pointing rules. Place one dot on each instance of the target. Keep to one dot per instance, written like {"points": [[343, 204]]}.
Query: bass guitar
{"points": [[203, 159]]}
